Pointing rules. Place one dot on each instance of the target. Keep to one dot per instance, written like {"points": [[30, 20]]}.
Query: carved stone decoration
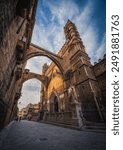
{"points": [[18, 73], [68, 75], [19, 53]]}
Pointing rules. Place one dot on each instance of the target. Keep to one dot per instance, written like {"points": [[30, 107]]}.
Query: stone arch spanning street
{"points": [[27, 75], [35, 50], [30, 75]]}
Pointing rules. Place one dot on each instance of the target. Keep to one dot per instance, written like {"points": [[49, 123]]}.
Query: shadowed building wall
{"points": [[16, 25]]}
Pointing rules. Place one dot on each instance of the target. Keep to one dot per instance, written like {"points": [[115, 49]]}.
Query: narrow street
{"points": [[28, 135]]}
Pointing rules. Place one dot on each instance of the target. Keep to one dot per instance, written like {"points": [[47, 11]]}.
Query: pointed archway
{"points": [[30, 75], [27, 76], [54, 104], [35, 50], [56, 107]]}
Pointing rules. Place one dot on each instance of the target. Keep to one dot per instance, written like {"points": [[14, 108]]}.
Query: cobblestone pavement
{"points": [[28, 135]]}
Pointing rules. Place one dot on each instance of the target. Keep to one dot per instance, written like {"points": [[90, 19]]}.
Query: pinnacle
{"points": [[69, 21]]}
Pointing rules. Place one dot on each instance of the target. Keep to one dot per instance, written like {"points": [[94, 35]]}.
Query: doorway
{"points": [[54, 105]]}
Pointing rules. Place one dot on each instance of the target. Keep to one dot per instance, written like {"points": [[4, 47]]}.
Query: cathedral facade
{"points": [[77, 96]]}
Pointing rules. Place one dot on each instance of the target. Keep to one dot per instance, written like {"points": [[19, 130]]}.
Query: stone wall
{"points": [[14, 25], [8, 40], [61, 117], [100, 74]]}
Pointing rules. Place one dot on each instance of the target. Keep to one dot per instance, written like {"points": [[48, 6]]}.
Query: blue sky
{"points": [[89, 17]]}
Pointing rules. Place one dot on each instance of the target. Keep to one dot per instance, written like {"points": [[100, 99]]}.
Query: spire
{"points": [[71, 31], [72, 34]]}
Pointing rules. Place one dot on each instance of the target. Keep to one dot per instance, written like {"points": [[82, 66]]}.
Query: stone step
{"points": [[61, 125], [85, 128]]}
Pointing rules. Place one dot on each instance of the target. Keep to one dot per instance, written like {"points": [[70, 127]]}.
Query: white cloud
{"points": [[41, 36], [43, 16], [62, 11], [30, 93], [83, 19], [35, 64], [101, 50], [89, 40]]}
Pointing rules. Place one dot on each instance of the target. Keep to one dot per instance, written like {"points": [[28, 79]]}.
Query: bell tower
{"points": [[71, 33], [82, 79]]}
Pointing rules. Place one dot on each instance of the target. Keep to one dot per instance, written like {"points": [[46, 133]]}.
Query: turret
{"points": [[44, 68]]}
